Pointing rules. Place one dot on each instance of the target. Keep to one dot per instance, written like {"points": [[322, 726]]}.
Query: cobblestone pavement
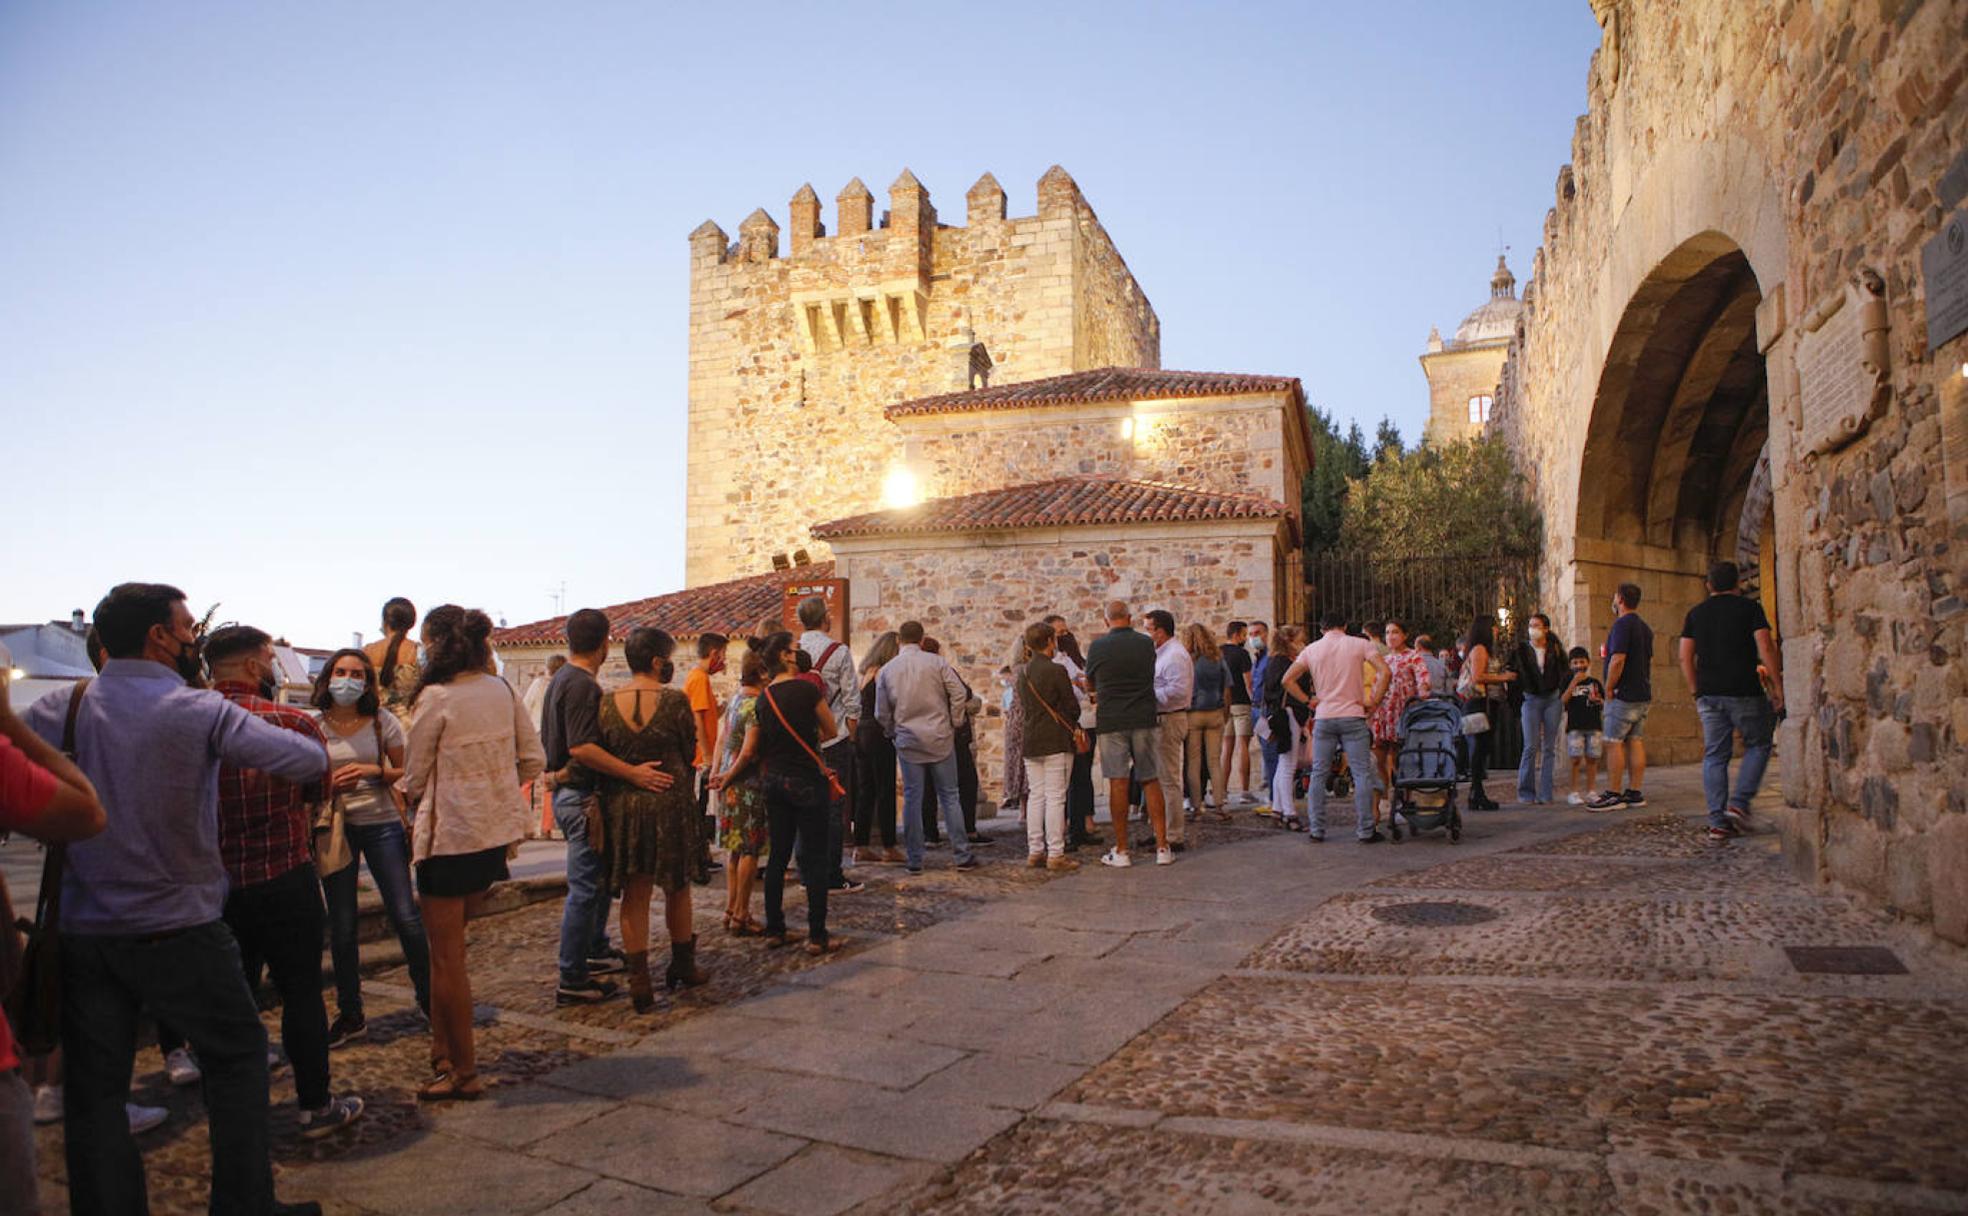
{"points": [[1565, 1013]]}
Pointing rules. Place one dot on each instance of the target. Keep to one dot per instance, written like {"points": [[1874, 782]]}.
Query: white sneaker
{"points": [[1164, 857], [1117, 859], [181, 1068], [1575, 798], [144, 1118], [47, 1104]]}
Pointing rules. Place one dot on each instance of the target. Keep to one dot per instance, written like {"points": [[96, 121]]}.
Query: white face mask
{"points": [[1537, 633], [347, 690]]}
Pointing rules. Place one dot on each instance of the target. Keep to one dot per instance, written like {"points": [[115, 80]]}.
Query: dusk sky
{"points": [[304, 306]]}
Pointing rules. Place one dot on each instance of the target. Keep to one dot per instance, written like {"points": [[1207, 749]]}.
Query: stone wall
{"points": [[976, 592], [1809, 144], [792, 358], [1454, 376], [1236, 445]]}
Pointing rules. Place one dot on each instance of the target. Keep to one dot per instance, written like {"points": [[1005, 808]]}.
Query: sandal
{"points": [[745, 926], [449, 1088], [831, 946], [782, 938]]}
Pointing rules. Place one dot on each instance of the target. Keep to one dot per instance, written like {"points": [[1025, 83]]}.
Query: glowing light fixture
{"points": [[901, 488], [1127, 428], [17, 674]]}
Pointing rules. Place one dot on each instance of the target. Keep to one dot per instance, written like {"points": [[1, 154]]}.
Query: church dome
{"points": [[1496, 320]]}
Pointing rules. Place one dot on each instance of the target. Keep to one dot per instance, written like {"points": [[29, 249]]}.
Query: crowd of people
{"points": [[203, 833]]}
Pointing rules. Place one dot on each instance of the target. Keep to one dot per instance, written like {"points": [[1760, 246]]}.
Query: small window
{"points": [[1479, 411]]}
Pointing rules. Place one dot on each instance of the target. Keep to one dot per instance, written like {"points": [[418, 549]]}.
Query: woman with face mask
{"points": [[1544, 674], [365, 753]]}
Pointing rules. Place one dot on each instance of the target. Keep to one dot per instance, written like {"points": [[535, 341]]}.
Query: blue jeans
{"points": [[194, 980], [1267, 747], [1721, 718], [386, 847], [1328, 736], [1543, 720], [941, 774], [584, 921]]}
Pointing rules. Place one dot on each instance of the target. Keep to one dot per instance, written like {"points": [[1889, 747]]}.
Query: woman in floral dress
{"points": [[741, 803], [1406, 682]]}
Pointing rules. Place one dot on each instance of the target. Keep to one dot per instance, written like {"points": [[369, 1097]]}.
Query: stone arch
{"points": [[1679, 417]]}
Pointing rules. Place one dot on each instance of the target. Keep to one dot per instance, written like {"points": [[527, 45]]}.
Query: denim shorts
{"points": [[1624, 719], [1120, 747], [1584, 744]]}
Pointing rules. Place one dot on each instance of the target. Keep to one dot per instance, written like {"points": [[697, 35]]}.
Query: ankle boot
{"points": [[683, 966], [642, 993]]}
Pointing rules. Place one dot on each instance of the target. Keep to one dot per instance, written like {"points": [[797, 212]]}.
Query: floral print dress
{"points": [[1406, 682], [741, 810]]}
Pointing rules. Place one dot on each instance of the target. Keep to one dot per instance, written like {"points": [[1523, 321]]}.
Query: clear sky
{"points": [[304, 306]]}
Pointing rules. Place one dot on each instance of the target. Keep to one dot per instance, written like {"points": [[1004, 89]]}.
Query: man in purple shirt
{"points": [[141, 903]]}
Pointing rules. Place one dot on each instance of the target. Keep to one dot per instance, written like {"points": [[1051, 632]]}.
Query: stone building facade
{"points": [[793, 356], [1463, 372], [1724, 353]]}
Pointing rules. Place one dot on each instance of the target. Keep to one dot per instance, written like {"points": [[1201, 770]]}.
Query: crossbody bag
{"points": [[1081, 743], [834, 787]]}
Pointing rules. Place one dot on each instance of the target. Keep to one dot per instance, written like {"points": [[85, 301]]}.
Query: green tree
{"points": [[1336, 461], [1387, 441], [1461, 499]]}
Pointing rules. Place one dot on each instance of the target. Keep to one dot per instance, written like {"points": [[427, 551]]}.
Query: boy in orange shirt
{"points": [[704, 708]]}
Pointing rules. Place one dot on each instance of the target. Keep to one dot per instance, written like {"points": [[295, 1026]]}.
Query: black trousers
{"points": [[874, 786], [796, 809], [280, 922], [1079, 797], [193, 980]]}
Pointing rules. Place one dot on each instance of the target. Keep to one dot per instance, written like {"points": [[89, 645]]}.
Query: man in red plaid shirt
{"points": [[266, 829]]}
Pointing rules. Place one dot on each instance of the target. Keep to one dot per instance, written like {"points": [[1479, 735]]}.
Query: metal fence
{"points": [[1439, 596]]}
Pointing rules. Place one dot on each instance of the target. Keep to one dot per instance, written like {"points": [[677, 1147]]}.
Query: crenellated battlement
{"points": [[909, 217], [800, 337]]}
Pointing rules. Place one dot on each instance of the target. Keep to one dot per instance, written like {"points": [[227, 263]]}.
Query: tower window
{"points": [[1479, 411]]}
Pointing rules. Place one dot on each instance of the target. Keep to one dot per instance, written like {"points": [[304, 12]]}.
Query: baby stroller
{"points": [[1425, 769]]}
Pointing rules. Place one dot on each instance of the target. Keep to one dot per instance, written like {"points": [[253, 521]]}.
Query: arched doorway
{"points": [[1675, 471]]}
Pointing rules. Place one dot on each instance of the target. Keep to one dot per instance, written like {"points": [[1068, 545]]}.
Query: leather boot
{"points": [[642, 993], [684, 971]]}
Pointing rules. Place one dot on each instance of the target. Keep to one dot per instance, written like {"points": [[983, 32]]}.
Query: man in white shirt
{"points": [[920, 702], [1175, 683], [833, 662], [1337, 664]]}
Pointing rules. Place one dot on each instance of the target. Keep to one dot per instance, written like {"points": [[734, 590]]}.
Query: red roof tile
{"points": [[728, 608], [1100, 384], [1047, 504]]}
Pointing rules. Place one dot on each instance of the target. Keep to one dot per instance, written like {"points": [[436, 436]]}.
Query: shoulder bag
{"points": [[1081, 743], [33, 993], [834, 787]]}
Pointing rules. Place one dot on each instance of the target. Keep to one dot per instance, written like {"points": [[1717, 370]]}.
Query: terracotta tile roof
{"points": [[1100, 384], [1062, 502], [728, 608]]}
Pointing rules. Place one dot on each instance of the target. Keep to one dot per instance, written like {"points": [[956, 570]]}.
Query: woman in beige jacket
{"points": [[472, 745]]}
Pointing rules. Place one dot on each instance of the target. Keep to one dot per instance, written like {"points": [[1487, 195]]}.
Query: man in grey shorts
{"points": [[1120, 676]]}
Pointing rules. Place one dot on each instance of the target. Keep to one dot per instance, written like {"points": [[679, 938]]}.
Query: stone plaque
{"points": [[1841, 365], [1944, 273]]}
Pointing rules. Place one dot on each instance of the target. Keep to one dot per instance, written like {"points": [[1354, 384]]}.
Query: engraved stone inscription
{"points": [[1841, 373], [1944, 275]]}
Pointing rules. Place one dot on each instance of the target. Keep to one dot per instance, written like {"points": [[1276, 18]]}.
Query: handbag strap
{"points": [[804, 745], [1047, 705], [47, 902]]}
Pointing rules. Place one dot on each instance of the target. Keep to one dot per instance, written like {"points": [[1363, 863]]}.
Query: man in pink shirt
{"points": [[1337, 664]]}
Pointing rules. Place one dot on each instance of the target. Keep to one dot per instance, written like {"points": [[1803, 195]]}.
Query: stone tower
{"points": [[793, 357], [1462, 372]]}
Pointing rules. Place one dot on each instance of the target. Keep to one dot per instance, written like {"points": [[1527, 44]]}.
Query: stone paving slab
{"points": [[517, 1115], [997, 1079], [823, 1181], [826, 1052], [439, 1175], [910, 1125], [682, 1154], [613, 1197]]}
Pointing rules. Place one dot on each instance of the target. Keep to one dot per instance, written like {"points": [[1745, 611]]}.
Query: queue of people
{"points": [[208, 833]]}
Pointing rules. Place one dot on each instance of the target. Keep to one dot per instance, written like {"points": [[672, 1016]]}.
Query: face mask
{"points": [[1537, 633], [269, 686], [347, 690]]}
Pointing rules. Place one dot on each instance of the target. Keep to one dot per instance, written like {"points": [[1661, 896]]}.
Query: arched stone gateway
{"points": [[1676, 429], [1696, 376]]}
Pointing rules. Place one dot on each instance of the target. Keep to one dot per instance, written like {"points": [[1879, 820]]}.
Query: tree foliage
{"points": [[1461, 499], [1336, 460]]}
